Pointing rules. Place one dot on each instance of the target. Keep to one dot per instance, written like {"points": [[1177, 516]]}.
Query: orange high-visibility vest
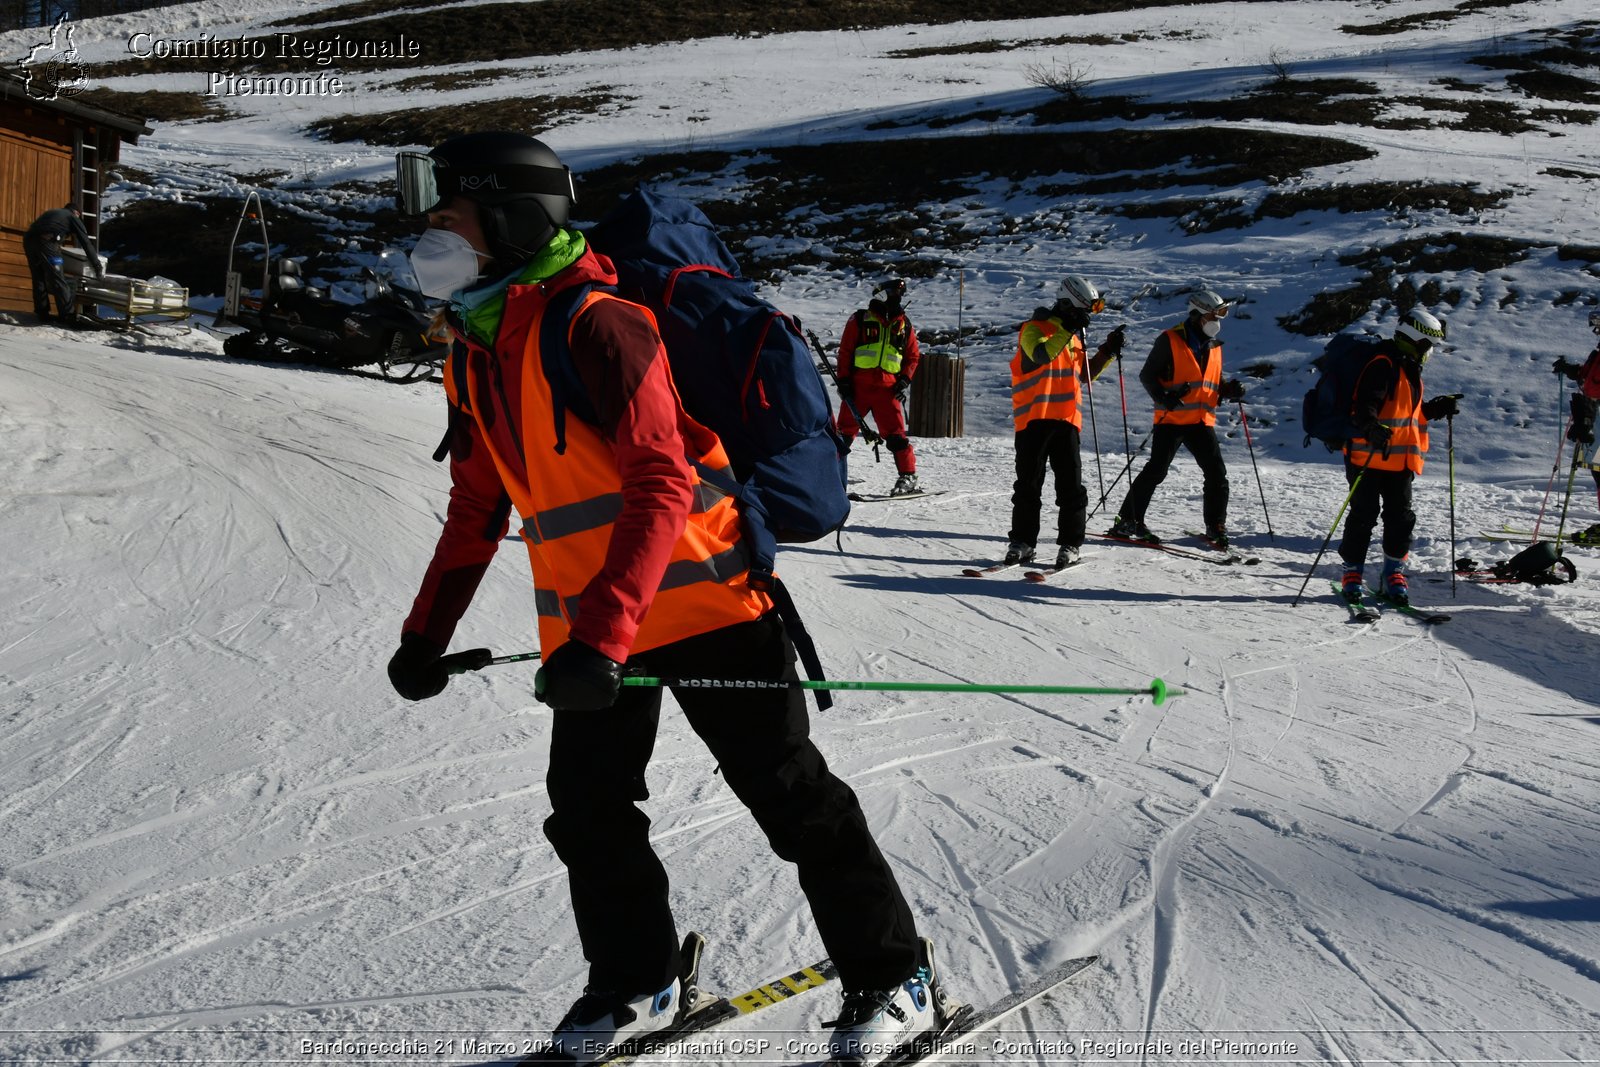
{"points": [[1408, 430], [571, 500], [1049, 390], [1199, 404]]}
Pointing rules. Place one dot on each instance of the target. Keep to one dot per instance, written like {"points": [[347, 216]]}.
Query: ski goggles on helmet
{"points": [[425, 184]]}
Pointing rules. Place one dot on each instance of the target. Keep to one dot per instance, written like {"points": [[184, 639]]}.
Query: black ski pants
{"points": [[760, 739], [1386, 491], [1049, 445], [44, 264], [1201, 441]]}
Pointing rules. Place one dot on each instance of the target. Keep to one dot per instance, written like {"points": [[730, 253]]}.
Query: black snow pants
{"points": [[1201, 441], [760, 739], [1049, 445], [1388, 491]]}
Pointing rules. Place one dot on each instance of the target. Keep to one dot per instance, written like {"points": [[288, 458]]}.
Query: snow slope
{"points": [[225, 836]]}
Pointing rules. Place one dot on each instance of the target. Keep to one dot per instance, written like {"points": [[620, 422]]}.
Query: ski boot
{"points": [[1353, 585], [873, 1023], [1132, 530], [1217, 534], [1394, 580], [905, 485], [1017, 552], [1068, 555]]}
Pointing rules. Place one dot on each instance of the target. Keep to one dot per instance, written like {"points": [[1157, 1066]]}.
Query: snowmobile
{"points": [[298, 323], [288, 321]]}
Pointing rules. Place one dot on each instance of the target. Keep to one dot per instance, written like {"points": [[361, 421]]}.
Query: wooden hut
{"points": [[52, 152]]}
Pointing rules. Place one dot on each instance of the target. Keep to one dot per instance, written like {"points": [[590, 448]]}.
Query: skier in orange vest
{"points": [[1045, 373], [878, 357], [1391, 421], [637, 565], [1183, 375]]}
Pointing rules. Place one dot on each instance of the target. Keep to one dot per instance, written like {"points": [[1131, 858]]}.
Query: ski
{"points": [[1044, 574], [1429, 617], [1358, 612], [1515, 537], [965, 1020], [1174, 550], [875, 498], [705, 1010], [1226, 550], [993, 568]]}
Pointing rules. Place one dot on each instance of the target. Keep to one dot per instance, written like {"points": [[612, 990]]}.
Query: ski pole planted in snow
{"points": [[1450, 449], [1251, 445], [1157, 690], [1347, 497]]}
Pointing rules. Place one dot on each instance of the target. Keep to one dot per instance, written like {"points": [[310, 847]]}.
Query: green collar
{"points": [[482, 308]]}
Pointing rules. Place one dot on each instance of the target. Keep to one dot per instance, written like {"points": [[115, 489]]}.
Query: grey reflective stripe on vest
{"points": [[555, 523], [547, 603], [720, 568], [1032, 379]]}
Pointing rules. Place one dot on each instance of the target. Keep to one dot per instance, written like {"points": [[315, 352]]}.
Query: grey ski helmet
{"points": [[1207, 302]]}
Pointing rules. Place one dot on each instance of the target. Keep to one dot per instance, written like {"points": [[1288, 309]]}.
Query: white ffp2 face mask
{"points": [[1210, 327], [444, 261]]}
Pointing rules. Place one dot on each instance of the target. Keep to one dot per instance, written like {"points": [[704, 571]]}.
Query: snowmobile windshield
{"points": [[395, 266]]}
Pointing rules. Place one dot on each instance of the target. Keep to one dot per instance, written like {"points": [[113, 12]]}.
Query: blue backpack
{"points": [[743, 371], [1326, 410]]}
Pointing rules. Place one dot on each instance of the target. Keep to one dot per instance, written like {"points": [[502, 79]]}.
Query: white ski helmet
{"points": [[1081, 293], [1417, 332], [1207, 302]]}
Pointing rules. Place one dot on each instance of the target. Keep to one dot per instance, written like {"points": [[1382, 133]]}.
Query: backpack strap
{"points": [[460, 410], [800, 637]]}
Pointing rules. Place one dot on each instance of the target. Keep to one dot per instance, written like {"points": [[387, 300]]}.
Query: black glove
{"points": [[1440, 407], [1171, 399], [577, 678], [902, 386], [1581, 433], [1111, 347], [415, 669], [1232, 389], [1376, 433], [847, 389]]}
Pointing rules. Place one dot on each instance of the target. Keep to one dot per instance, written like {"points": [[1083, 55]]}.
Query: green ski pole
{"points": [[1331, 529], [1157, 690], [478, 658]]}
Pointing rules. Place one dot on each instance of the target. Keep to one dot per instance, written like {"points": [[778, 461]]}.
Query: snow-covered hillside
{"points": [[225, 836]]}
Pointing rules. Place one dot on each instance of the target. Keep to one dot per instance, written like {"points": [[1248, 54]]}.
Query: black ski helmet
{"points": [[524, 190]]}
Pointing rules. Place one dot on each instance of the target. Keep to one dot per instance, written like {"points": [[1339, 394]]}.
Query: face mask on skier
{"points": [[1210, 327], [444, 261]]}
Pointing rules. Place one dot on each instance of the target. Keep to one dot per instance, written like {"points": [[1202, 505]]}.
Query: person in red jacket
{"points": [[1391, 421], [563, 404], [1580, 430], [878, 357]]}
